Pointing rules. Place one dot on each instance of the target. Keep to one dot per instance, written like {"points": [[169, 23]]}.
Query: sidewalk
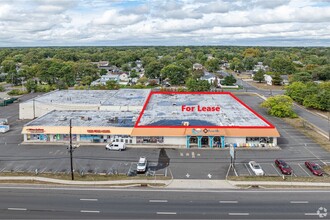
{"points": [[187, 184], [270, 183]]}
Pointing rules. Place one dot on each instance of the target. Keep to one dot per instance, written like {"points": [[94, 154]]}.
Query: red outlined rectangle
{"points": [[199, 93]]}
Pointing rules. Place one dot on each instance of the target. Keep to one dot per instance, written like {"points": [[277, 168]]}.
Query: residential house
{"points": [[269, 79], [123, 76], [101, 63], [104, 79], [260, 66], [197, 66], [210, 77]]}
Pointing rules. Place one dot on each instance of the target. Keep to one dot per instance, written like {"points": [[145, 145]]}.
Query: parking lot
{"points": [[192, 163], [270, 169]]}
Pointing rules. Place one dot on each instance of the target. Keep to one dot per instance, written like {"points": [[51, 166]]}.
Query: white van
{"points": [[116, 146]]}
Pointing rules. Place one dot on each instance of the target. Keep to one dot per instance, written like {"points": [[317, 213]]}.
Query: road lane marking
{"points": [[17, 209], [181, 154], [166, 213], [192, 154], [311, 214], [88, 199], [238, 213], [155, 200], [229, 202], [89, 211], [298, 202], [187, 154], [303, 169]]}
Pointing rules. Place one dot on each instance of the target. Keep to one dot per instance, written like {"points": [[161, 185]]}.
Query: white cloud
{"points": [[81, 22], [113, 17]]}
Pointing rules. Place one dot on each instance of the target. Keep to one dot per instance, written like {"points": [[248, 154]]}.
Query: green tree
{"points": [[176, 74], [259, 76], [301, 77], [279, 106], [282, 65], [194, 85], [30, 85], [103, 72], [212, 64], [296, 91], [112, 85], [2, 89], [8, 66], [152, 70], [229, 80], [251, 52], [276, 79]]}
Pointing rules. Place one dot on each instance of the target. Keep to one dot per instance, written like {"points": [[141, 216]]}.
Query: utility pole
{"points": [[71, 150]]}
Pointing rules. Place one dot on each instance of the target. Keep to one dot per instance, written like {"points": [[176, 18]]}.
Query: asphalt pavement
{"points": [[140, 203], [192, 163]]}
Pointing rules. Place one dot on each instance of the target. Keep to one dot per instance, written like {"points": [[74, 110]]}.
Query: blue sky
{"points": [[161, 22]]}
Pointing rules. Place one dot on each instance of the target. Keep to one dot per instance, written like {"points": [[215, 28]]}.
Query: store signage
{"points": [[205, 130], [199, 108], [35, 130], [98, 131]]}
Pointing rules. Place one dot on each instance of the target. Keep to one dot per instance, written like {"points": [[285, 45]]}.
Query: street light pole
{"points": [[71, 150]]}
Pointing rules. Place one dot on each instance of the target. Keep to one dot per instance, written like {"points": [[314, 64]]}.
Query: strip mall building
{"points": [[144, 117]]}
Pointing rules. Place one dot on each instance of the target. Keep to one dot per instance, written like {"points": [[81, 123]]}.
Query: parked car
{"points": [[142, 165], [284, 167], [314, 168], [116, 146], [256, 168]]}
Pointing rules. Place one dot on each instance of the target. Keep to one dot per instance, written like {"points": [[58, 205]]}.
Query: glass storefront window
{"points": [[156, 139]]}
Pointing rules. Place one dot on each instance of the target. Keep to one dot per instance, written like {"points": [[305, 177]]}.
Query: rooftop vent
{"points": [[62, 118], [85, 118], [185, 123]]}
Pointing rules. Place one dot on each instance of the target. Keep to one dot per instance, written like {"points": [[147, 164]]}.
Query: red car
{"points": [[314, 168], [283, 166]]}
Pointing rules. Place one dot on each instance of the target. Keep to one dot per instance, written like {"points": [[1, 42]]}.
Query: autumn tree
{"points": [[280, 106]]}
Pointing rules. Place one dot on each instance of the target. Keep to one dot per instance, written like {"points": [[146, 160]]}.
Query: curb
{"points": [[112, 183]]}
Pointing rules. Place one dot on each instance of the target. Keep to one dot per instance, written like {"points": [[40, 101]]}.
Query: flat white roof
{"points": [[167, 110], [87, 118], [122, 97]]}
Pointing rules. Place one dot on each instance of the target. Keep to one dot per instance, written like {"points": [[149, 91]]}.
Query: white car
{"points": [[116, 146], [256, 168], [142, 165]]}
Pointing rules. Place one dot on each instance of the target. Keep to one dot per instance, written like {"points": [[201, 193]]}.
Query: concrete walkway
{"points": [[170, 184], [270, 183]]}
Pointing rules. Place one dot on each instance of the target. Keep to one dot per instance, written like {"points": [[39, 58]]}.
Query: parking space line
{"points": [[314, 154], [247, 169], [276, 170], [303, 169]]}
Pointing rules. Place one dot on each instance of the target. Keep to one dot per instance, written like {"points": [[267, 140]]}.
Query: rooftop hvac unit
{"points": [[63, 118], [85, 118], [185, 123]]}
